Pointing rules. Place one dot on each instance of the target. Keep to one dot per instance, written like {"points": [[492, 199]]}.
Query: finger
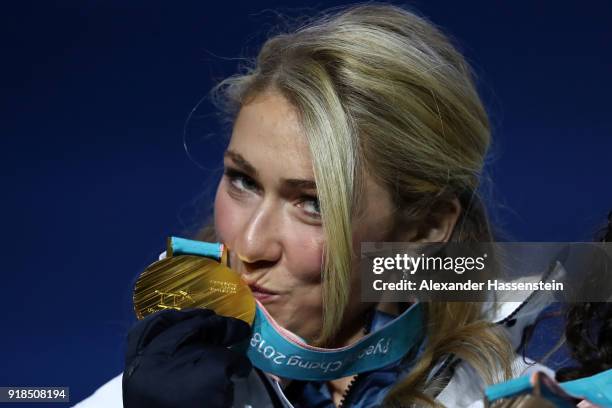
{"points": [[194, 329], [201, 329], [226, 362], [218, 330], [141, 335]]}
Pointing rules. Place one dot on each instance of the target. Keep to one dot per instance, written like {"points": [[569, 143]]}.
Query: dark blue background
{"points": [[94, 174]]}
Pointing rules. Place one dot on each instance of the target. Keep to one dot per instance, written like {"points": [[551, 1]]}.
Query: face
{"points": [[267, 213]]}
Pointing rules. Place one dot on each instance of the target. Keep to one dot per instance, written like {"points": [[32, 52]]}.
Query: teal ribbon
{"points": [[596, 389], [275, 353], [182, 246]]}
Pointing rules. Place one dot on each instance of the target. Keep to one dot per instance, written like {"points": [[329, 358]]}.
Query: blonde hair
{"points": [[380, 90]]}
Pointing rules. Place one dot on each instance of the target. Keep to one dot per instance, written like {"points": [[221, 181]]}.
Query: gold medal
{"points": [[191, 281]]}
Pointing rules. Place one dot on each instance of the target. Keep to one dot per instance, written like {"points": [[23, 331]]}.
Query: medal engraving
{"points": [[189, 281]]}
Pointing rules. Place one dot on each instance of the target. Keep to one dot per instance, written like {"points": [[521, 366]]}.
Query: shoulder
{"points": [[108, 395]]}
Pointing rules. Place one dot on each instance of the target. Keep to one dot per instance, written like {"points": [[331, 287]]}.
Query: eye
{"points": [[310, 205], [240, 181]]}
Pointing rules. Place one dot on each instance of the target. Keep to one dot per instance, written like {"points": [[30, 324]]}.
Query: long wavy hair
{"points": [[379, 89], [588, 332]]}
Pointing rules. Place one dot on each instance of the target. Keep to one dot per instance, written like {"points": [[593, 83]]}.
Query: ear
{"points": [[437, 225]]}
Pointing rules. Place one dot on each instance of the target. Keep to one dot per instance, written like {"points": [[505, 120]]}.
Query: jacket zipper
{"points": [[348, 392]]}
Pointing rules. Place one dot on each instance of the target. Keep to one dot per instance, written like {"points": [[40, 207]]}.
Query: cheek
{"points": [[227, 216], [304, 250]]}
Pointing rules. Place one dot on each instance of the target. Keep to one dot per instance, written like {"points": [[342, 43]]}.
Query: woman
{"points": [[361, 126]]}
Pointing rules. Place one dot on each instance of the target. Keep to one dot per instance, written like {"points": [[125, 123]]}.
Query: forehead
{"points": [[267, 133]]}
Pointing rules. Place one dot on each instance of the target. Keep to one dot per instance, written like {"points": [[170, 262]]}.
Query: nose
{"points": [[259, 244]]}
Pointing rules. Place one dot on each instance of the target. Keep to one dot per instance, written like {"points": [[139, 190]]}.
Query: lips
{"points": [[264, 295], [259, 289]]}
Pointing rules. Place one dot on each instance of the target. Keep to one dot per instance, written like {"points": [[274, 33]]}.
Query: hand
{"points": [[181, 359]]}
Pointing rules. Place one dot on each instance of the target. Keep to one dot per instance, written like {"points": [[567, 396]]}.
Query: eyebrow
{"points": [[300, 184], [243, 163]]}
